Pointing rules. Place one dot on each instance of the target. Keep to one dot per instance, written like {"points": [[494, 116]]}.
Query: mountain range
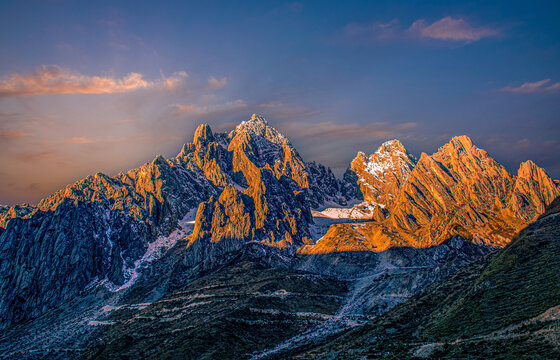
{"points": [[238, 240]]}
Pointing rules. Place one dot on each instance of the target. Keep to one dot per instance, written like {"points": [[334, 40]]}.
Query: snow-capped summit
{"points": [[258, 125], [380, 174]]}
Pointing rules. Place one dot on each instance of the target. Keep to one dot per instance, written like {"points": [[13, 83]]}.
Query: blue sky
{"points": [[105, 86]]}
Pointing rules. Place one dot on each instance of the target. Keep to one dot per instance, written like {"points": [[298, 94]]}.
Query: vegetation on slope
{"points": [[507, 306]]}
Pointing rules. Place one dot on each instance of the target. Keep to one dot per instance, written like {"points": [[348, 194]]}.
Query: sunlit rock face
{"points": [[249, 185], [249, 188], [380, 175], [264, 200], [533, 191], [458, 191]]}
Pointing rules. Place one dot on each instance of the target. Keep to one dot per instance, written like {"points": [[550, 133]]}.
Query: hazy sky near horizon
{"points": [[105, 86]]}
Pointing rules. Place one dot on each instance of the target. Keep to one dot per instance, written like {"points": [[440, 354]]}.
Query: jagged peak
{"points": [[258, 118], [459, 146], [462, 142], [159, 160], [387, 148], [528, 168], [203, 131], [256, 122], [392, 146], [258, 125]]}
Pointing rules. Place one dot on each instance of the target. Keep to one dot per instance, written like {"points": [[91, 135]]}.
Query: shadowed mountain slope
{"points": [[508, 306], [248, 185]]}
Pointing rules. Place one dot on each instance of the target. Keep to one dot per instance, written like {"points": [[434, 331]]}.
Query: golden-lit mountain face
{"points": [[250, 191], [263, 198], [381, 174], [458, 191]]}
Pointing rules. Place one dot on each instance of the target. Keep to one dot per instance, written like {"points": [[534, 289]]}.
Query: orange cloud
{"points": [[447, 29], [36, 156], [214, 84], [6, 135], [53, 79], [110, 140], [78, 140], [210, 109], [331, 130]]}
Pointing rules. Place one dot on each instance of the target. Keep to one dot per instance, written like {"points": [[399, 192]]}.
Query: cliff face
{"points": [[91, 232], [380, 175], [533, 191], [458, 191], [250, 185]]}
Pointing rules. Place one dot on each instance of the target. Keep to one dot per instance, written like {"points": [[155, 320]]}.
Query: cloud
{"points": [[533, 87], [78, 140], [334, 131], [451, 29], [377, 30], [447, 29], [36, 156], [281, 111], [170, 82], [7, 135], [523, 143], [195, 109], [215, 84], [52, 79]]}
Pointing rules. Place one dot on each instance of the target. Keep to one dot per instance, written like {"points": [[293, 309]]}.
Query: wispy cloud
{"points": [[215, 84], [447, 29], [376, 30], [137, 137], [533, 87], [332, 130], [52, 79], [7, 135], [34, 156], [281, 111], [196, 109], [79, 140], [451, 29]]}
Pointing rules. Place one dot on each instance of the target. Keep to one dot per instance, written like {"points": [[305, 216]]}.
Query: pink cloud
{"points": [[6, 135], [195, 109], [53, 79], [451, 29], [446, 29], [332, 130], [214, 84], [533, 87], [78, 140]]}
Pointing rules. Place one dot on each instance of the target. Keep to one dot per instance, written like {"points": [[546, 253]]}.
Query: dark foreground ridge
{"points": [[507, 307]]}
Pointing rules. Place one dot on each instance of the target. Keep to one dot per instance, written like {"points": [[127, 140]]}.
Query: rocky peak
{"points": [[533, 191], [460, 146], [529, 169], [391, 146], [380, 174], [203, 132], [257, 125], [462, 142], [390, 156]]}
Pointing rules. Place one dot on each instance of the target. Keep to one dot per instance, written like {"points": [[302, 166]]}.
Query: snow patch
{"points": [[98, 323], [156, 249], [363, 210]]}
